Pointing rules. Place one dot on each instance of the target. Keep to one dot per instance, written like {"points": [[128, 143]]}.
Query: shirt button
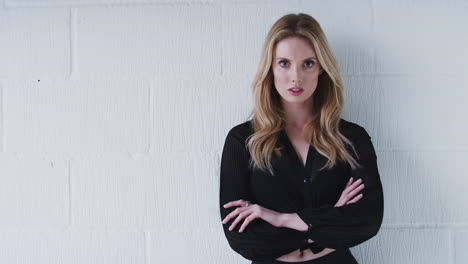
{"points": [[305, 180]]}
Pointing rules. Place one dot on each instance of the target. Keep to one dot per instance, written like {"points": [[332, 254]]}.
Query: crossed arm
{"points": [[288, 220]]}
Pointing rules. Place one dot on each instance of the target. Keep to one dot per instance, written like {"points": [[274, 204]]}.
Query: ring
{"points": [[247, 203]]}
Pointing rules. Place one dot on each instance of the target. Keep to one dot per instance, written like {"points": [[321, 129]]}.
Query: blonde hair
{"points": [[268, 117]]}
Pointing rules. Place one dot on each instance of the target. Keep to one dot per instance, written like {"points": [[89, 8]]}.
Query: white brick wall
{"points": [[113, 116]]}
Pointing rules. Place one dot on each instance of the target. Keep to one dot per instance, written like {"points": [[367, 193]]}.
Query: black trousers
{"points": [[336, 257]]}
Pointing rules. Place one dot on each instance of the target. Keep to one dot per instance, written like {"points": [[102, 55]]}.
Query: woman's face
{"points": [[295, 64]]}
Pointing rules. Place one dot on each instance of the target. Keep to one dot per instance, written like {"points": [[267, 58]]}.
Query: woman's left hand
{"points": [[251, 212]]}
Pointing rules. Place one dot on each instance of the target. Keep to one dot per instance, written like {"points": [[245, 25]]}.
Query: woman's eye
{"points": [[311, 63], [281, 62]]}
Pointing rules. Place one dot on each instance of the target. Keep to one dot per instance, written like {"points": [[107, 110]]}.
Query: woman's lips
{"points": [[295, 93]]}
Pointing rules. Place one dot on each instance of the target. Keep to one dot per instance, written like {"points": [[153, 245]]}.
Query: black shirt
{"points": [[300, 189]]}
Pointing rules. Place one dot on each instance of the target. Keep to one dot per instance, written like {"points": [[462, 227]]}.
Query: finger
{"points": [[349, 182], [348, 194], [238, 219], [234, 203], [232, 214], [247, 220], [341, 201], [357, 198], [358, 189], [354, 185]]}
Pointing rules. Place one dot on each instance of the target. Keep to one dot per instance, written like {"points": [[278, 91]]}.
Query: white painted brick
{"points": [[77, 116], [461, 246], [191, 246], [34, 192], [421, 37], [170, 191], [424, 186], [405, 246], [34, 43], [2, 104], [196, 114], [149, 41], [410, 112], [73, 247], [54, 3]]}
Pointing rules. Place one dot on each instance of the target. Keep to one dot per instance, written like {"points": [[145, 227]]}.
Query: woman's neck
{"points": [[297, 115]]}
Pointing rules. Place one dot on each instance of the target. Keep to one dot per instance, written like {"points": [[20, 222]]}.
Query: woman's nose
{"points": [[296, 74]]}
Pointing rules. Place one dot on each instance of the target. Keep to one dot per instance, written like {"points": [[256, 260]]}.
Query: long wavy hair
{"points": [[268, 117]]}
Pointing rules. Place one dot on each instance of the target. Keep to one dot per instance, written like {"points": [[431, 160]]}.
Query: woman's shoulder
{"points": [[352, 130], [359, 136], [241, 131]]}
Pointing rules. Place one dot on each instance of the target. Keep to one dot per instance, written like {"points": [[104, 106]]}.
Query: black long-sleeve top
{"points": [[300, 189]]}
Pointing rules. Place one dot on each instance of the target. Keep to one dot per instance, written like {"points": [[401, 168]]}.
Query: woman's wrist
{"points": [[293, 221]]}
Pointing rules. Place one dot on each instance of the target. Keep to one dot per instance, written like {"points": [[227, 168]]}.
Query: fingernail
{"points": [[224, 206]]}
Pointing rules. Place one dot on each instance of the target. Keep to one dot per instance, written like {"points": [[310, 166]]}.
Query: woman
{"points": [[298, 183]]}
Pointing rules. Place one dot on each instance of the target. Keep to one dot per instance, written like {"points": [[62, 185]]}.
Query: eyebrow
{"points": [[281, 58]]}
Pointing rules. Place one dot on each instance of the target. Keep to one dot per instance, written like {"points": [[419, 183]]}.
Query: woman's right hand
{"points": [[349, 192]]}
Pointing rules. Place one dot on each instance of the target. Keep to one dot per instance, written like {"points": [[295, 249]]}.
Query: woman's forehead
{"points": [[294, 48]]}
